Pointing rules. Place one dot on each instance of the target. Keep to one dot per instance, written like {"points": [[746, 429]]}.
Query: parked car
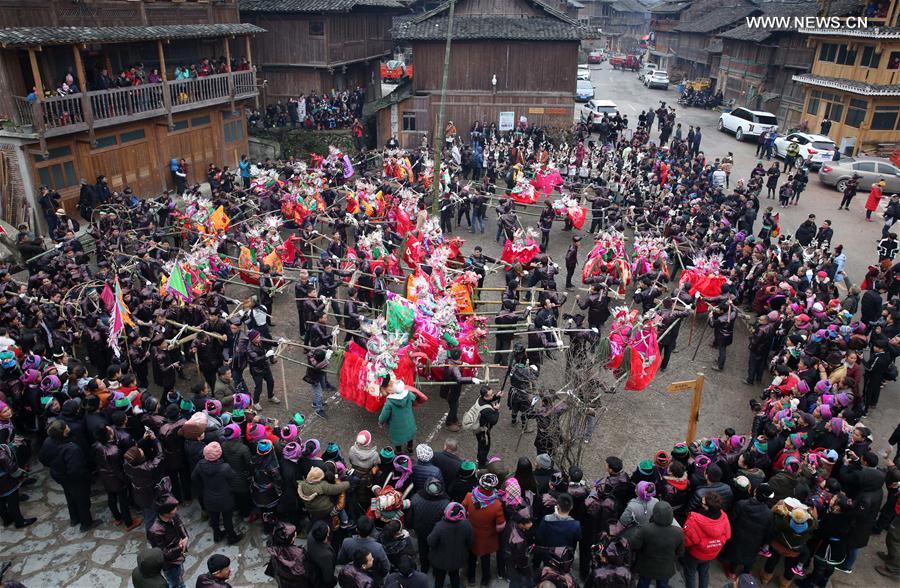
{"points": [[584, 73], [394, 71], [871, 169], [598, 108], [744, 122], [584, 91], [646, 70], [595, 56], [819, 147], [657, 79]]}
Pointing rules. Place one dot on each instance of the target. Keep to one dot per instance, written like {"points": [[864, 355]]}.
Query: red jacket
{"points": [[704, 537]]}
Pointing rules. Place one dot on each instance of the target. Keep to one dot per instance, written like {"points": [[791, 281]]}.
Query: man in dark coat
{"points": [[760, 344], [571, 261], [447, 460], [168, 533], [68, 467], [757, 524], [669, 329], [427, 509], [219, 567], [722, 321], [806, 232], [148, 573], [863, 482], [215, 478], [657, 546], [320, 555]]}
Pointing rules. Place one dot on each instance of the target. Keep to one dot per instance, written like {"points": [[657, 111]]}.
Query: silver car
{"points": [[870, 170]]}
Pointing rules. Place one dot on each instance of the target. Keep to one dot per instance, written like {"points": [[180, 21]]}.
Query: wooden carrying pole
{"points": [[697, 386]]}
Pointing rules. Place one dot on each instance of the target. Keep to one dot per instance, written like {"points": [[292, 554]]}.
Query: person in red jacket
{"points": [[705, 534]]}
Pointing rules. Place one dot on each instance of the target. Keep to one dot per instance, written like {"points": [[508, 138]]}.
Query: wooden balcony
{"points": [[60, 115]]}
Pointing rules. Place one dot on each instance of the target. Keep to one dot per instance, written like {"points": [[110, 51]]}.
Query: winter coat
{"points": [[166, 536], [11, 475], [214, 479], [289, 502], [422, 472], [66, 461], [350, 546], [143, 478], [396, 547], [398, 414], [449, 544], [448, 463], [110, 466], [657, 545], [637, 512], [320, 560], [237, 455], [265, 485], [487, 523], [288, 564], [705, 536], [208, 581], [720, 488], [556, 531], [352, 577], [173, 445], [866, 504], [316, 495], [414, 580], [425, 512], [148, 573], [874, 198], [756, 524], [833, 532]]}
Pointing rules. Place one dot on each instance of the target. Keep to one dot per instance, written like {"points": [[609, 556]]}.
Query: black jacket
{"points": [[321, 563], [756, 523], [448, 544], [65, 460], [426, 511], [657, 545], [214, 479]]}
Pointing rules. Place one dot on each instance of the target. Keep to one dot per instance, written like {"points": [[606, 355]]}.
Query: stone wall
{"points": [[13, 200]]}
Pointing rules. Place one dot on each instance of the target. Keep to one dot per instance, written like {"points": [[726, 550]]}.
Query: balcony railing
{"points": [[59, 115]]}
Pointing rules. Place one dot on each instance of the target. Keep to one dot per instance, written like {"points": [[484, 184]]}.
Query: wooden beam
{"points": [[247, 50], [227, 44], [36, 73], [86, 112], [37, 113], [167, 96]]}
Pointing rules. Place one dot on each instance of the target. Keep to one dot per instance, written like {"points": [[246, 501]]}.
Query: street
{"points": [[631, 425]]}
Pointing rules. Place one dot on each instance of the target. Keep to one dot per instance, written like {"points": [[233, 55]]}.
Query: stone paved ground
{"points": [[50, 554]]}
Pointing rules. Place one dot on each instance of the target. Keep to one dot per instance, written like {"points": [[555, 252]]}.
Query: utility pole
{"points": [[439, 131]]}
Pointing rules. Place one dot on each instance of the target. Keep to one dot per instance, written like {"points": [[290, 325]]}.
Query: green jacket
{"points": [[792, 149], [316, 495], [398, 413]]}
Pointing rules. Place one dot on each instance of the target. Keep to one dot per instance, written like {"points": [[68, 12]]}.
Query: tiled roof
{"points": [[486, 27], [867, 33], [33, 36], [314, 5], [847, 85], [717, 18], [628, 6], [802, 8], [432, 26], [670, 7]]}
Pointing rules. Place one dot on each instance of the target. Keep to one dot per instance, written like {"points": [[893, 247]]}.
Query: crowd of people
{"points": [[796, 482], [313, 112]]}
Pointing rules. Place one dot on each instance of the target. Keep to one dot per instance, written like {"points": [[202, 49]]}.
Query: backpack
{"points": [[470, 420]]}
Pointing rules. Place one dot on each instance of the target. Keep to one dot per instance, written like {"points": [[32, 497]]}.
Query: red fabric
{"points": [[353, 380], [577, 216], [874, 198], [704, 537], [642, 372], [529, 197], [524, 255], [414, 252], [469, 355], [405, 225], [709, 286]]}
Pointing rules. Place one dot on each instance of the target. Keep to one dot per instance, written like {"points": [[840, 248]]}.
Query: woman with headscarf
{"points": [[485, 511], [449, 545], [265, 485], [639, 508], [214, 478]]}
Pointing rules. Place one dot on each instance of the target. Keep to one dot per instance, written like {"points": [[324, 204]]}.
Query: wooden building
{"points": [[114, 13], [664, 17], [320, 45], [758, 63], [530, 48], [618, 24], [698, 51], [129, 134], [855, 82]]}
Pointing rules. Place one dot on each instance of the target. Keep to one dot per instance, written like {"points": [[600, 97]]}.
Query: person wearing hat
{"points": [[449, 544], [168, 533], [572, 261], [423, 470], [427, 508], [485, 512], [795, 525], [148, 572], [397, 414], [215, 478], [260, 359], [657, 546], [316, 493], [219, 567], [68, 467], [143, 474]]}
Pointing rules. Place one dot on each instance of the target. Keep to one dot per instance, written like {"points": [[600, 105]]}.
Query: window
{"points": [[200, 121], [887, 169], [55, 153], [102, 142], [845, 55], [813, 106], [870, 59], [856, 112], [179, 125], [885, 118], [132, 136], [234, 131], [828, 52], [228, 114], [894, 61], [865, 166], [58, 176], [409, 121], [316, 28]]}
